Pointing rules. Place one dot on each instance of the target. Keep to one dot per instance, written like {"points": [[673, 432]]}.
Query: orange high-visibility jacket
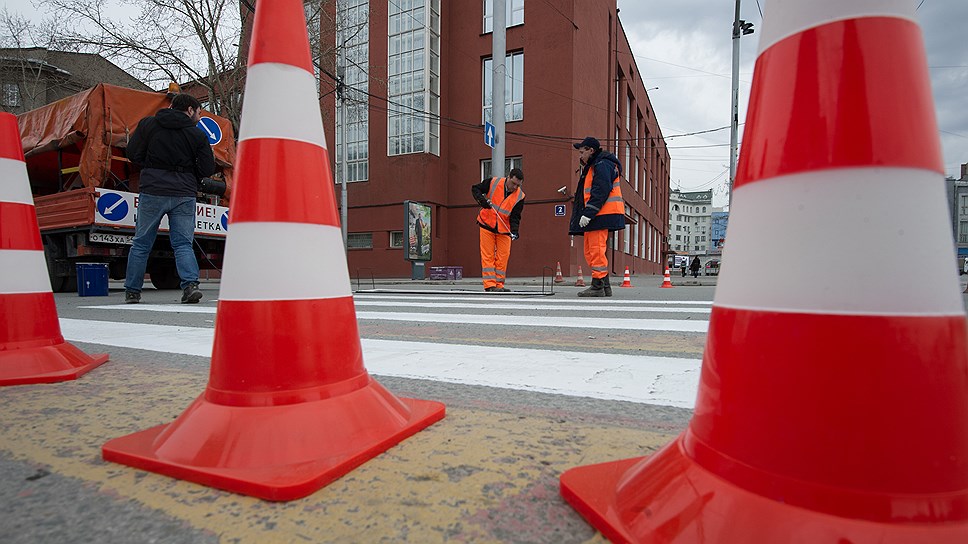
{"points": [[614, 203], [498, 217]]}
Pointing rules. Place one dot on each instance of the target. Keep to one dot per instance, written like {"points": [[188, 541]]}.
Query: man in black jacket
{"points": [[174, 153]]}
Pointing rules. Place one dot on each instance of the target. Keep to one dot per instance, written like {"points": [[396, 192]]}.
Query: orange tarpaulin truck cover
{"points": [[102, 117]]}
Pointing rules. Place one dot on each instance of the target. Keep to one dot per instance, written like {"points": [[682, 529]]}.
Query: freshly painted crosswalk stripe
{"points": [[617, 323], [644, 379], [530, 306], [531, 300]]}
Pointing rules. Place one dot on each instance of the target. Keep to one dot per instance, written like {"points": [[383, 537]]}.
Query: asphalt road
{"points": [[488, 472]]}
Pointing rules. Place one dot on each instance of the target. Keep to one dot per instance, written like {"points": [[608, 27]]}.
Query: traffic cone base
{"points": [[669, 497], [46, 364], [276, 453]]}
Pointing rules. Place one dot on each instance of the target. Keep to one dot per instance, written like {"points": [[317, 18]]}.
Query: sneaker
{"points": [[192, 294], [132, 297]]}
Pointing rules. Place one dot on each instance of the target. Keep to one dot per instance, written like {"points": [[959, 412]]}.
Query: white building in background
{"points": [[690, 222]]}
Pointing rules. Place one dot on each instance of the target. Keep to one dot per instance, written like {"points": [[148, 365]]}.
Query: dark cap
{"points": [[588, 142]]}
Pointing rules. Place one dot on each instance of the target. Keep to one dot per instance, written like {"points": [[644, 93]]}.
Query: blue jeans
{"points": [[181, 231]]}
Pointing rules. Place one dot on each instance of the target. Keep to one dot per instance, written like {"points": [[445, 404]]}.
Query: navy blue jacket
{"points": [[173, 152], [605, 165]]}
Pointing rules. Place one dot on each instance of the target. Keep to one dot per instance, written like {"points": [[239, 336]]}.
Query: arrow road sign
{"points": [[489, 134]]}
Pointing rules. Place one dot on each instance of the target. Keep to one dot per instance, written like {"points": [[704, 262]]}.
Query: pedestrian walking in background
{"points": [[174, 154], [695, 266], [597, 209], [501, 201]]}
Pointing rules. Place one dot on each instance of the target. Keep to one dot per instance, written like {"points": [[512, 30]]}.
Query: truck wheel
{"points": [[163, 275], [52, 253]]}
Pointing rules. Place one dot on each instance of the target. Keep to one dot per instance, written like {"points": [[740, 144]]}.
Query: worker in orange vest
{"points": [[502, 202], [597, 209]]}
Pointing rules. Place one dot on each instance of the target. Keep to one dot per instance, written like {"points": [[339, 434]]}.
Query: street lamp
{"points": [[740, 28]]}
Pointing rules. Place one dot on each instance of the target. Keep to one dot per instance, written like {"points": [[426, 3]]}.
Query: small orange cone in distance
{"points": [[666, 280], [558, 278], [32, 349], [627, 282], [580, 282], [828, 411], [289, 406]]}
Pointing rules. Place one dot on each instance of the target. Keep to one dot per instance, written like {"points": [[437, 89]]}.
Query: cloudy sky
{"points": [[684, 47]]}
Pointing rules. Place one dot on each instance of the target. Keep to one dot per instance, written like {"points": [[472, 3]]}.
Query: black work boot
{"points": [[596, 290], [607, 287], [191, 294]]}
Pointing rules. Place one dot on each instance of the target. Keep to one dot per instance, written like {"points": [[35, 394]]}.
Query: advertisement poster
{"points": [[418, 231]]}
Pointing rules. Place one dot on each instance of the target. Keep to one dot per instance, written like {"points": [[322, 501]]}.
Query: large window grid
{"points": [[514, 14], [513, 88], [413, 88], [352, 35]]}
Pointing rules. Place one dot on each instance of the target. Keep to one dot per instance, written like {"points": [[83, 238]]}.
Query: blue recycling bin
{"points": [[92, 279]]}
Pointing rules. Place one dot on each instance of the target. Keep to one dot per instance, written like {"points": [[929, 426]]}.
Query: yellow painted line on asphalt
{"points": [[476, 476]]}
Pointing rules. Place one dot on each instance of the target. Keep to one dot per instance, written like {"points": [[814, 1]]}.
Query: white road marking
{"points": [[643, 379], [615, 323]]}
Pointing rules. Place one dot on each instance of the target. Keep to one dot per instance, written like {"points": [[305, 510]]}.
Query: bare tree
{"points": [[26, 78], [195, 42]]}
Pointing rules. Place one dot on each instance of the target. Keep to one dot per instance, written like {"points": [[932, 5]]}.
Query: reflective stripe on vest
{"points": [[500, 206], [614, 203]]}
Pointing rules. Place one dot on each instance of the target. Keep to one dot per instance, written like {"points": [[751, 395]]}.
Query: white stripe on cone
{"points": [[260, 263], [292, 105], [14, 186], [874, 241], [26, 272], [784, 18]]}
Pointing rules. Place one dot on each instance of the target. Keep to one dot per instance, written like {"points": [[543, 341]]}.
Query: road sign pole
{"points": [[498, 60]]}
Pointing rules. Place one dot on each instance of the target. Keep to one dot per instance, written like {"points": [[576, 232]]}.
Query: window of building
{"points": [[10, 95], [413, 85], [964, 205], [635, 235], [514, 14], [396, 239], [628, 113], [359, 240], [963, 232], [509, 163], [513, 88], [626, 238], [628, 158], [352, 35]]}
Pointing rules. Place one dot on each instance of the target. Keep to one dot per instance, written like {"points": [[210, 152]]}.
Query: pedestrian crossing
{"points": [[650, 379]]}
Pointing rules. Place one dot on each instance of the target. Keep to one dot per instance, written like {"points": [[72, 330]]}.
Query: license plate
{"points": [[106, 238]]}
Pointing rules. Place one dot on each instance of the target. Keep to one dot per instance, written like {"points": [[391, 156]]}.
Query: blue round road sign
{"points": [[211, 130], [112, 207], [225, 221]]}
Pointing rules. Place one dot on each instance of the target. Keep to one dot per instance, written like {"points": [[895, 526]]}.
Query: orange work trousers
{"points": [[495, 251], [595, 252]]}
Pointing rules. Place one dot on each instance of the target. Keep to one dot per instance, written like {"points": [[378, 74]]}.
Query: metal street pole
{"points": [[498, 63], [341, 72], [734, 112]]}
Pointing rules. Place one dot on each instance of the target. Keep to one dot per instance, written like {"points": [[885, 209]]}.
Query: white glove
{"points": [[514, 236], [584, 221]]}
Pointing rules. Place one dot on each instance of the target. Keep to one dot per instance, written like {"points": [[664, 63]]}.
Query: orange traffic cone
{"points": [[580, 282], [289, 406], [32, 349], [807, 386], [666, 281], [627, 282], [558, 278]]}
